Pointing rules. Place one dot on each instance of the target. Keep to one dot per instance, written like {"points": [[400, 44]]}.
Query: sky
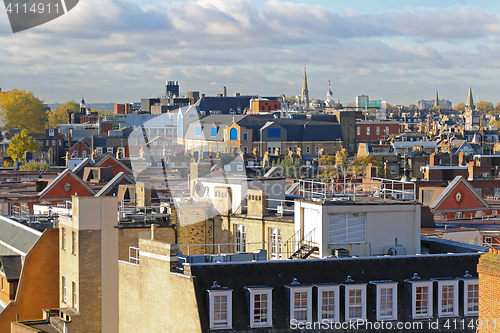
{"points": [[121, 51]]}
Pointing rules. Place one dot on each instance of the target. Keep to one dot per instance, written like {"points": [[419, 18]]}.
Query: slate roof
{"points": [[105, 157], [113, 183], [278, 274], [11, 267], [16, 238], [225, 104]]}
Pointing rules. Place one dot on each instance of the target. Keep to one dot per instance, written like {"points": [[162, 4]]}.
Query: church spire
{"points": [[436, 102], [304, 97], [470, 100]]}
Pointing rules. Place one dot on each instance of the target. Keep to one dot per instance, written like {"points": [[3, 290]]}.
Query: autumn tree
{"points": [[22, 109], [59, 115], [21, 143], [459, 107], [360, 164], [484, 107]]}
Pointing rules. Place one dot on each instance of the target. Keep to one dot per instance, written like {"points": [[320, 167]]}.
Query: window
{"points": [[198, 130], [471, 297], [421, 299], [73, 247], [63, 238], [448, 298], [368, 130], [459, 215], [387, 130], [494, 212], [63, 285], [220, 307], [261, 310], [328, 302], [151, 152], [377, 130], [73, 287], [84, 153], [245, 149], [233, 134], [159, 152], [275, 237], [387, 298], [99, 150], [274, 133], [53, 143], [75, 153], [40, 143], [393, 169], [109, 150], [308, 149], [214, 131], [346, 228], [355, 302], [245, 136], [358, 130], [316, 149], [300, 304], [240, 237]]}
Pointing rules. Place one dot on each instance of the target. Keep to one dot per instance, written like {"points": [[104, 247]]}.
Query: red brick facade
{"points": [[376, 130]]}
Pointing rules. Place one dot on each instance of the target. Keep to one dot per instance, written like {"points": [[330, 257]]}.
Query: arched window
{"points": [[233, 134]]}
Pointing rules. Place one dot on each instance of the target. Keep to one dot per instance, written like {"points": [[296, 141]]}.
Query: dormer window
{"points": [[220, 308]]}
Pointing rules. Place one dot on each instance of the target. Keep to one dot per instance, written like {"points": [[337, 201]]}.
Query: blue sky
{"points": [[120, 51]]}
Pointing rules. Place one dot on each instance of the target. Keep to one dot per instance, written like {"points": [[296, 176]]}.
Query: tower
{"points": [[304, 97], [329, 96], [83, 107], [436, 102], [472, 116]]}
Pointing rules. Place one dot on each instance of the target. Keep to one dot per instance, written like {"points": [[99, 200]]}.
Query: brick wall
{"points": [[38, 287], [489, 291], [128, 237]]}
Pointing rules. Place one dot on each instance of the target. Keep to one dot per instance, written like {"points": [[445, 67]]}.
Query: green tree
{"points": [[341, 160], [20, 144], [35, 166], [459, 107], [327, 160], [59, 115], [22, 109]]}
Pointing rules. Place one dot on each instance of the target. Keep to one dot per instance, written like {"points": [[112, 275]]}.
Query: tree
{"points": [[59, 115], [22, 109], [327, 160], [35, 166], [360, 164], [459, 107], [20, 144], [484, 107]]}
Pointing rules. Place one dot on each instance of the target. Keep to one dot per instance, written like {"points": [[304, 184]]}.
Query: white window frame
{"points": [[394, 287], [308, 308], [348, 304], [63, 284], [109, 150], [336, 302], [63, 238], [415, 285], [358, 130], [75, 300], [84, 153], [240, 238], [368, 130], [275, 241], [446, 283], [214, 325], [468, 283], [253, 291]]}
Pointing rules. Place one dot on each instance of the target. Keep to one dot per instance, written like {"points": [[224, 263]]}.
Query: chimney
{"points": [[202, 96], [432, 159], [461, 159], [222, 200], [225, 91], [153, 231], [257, 203], [472, 170], [143, 194], [371, 171]]}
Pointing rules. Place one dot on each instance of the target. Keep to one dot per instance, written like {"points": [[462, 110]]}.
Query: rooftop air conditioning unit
{"points": [[396, 250]]}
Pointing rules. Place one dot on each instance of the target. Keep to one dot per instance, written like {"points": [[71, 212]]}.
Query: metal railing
{"points": [[378, 187], [133, 254], [297, 241], [282, 208]]}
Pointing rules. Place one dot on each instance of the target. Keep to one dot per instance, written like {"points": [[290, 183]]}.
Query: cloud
{"points": [[119, 49]]}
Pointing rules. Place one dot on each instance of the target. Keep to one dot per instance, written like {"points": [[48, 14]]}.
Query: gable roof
{"points": [[106, 157], [113, 183], [86, 162], [452, 186], [59, 178], [16, 238]]}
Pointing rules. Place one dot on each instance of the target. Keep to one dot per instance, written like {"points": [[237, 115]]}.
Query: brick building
{"points": [[376, 130]]}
